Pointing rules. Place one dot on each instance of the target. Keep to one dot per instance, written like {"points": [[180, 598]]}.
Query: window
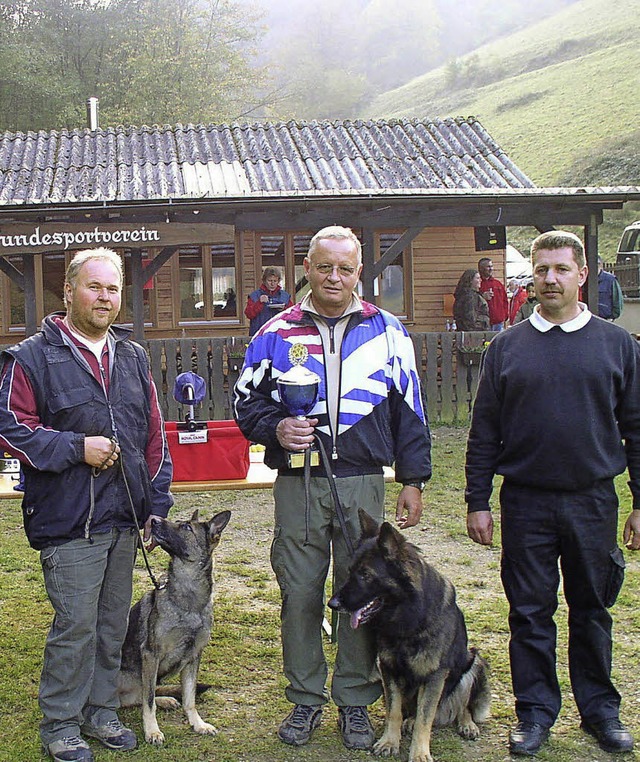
{"points": [[207, 279], [393, 288]]}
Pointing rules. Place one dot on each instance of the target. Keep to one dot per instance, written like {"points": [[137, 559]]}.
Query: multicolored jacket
{"points": [[381, 418]]}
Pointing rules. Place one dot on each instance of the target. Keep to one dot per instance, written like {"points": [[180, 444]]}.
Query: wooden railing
{"points": [[448, 364]]}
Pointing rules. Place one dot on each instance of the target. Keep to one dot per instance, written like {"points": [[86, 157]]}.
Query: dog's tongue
{"points": [[356, 616]]}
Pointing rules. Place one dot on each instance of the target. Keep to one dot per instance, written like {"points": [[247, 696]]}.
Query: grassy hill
{"points": [[547, 93], [551, 95]]}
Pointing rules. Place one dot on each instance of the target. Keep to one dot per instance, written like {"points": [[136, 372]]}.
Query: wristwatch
{"points": [[415, 483]]}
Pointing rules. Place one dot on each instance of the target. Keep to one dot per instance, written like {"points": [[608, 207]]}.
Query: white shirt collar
{"points": [[542, 325]]}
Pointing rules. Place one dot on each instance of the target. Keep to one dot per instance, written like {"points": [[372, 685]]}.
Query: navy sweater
{"points": [[556, 410]]}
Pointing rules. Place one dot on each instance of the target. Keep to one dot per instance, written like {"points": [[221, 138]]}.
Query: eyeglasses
{"points": [[346, 271]]}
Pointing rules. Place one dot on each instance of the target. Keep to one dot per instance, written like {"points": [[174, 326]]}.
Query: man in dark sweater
{"points": [[557, 414]]}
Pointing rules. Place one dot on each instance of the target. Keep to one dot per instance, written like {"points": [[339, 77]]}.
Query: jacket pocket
{"points": [[616, 576]]}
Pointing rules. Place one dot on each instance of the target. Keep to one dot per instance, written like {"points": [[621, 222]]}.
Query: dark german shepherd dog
{"points": [[169, 627], [429, 674]]}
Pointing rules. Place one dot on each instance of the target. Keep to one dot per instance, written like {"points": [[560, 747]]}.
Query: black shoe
{"points": [[299, 724], [527, 738], [611, 735], [355, 727]]}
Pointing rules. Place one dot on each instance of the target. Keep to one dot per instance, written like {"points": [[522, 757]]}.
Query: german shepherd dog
{"points": [[169, 627], [429, 674]]}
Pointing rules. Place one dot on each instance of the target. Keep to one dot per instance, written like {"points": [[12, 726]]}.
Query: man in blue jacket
{"points": [[79, 408], [369, 413]]}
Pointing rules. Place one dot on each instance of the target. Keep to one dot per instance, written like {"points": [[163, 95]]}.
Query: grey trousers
{"points": [[89, 585], [301, 570]]}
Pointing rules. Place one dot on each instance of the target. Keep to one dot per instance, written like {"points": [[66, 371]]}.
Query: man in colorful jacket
{"points": [[369, 413], [79, 408]]}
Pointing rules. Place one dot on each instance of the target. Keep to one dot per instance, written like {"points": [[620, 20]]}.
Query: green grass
{"points": [[243, 660]]}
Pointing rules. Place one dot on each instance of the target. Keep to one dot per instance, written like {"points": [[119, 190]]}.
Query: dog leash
{"points": [[334, 494], [95, 473]]}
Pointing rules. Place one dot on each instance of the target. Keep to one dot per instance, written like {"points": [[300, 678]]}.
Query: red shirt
{"points": [[499, 303]]}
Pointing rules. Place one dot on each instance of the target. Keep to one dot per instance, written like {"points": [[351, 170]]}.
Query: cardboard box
{"points": [[217, 452]]}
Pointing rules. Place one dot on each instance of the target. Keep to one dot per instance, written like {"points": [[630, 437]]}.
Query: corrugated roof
{"points": [[262, 159]]}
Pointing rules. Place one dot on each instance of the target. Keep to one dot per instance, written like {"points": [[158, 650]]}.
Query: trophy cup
{"points": [[298, 389]]}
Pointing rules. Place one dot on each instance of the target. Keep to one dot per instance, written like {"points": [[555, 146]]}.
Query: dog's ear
{"points": [[390, 541], [218, 523], [194, 515], [368, 525]]}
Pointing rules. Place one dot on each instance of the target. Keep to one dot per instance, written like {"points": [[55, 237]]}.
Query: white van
{"points": [[627, 267]]}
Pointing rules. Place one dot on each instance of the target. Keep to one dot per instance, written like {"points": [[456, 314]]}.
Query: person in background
{"points": [[610, 299], [557, 414], [517, 294], [527, 307], [470, 308], [264, 302], [369, 413], [495, 294], [79, 409]]}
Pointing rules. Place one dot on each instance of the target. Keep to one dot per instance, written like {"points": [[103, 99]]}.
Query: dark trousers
{"points": [[578, 529]]}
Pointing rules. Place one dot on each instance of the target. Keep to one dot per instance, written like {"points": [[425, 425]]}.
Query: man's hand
{"points": [[146, 535], [296, 434], [408, 507], [480, 527], [631, 534], [100, 452]]}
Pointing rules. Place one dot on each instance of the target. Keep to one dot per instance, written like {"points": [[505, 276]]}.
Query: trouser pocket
{"points": [[616, 576]]}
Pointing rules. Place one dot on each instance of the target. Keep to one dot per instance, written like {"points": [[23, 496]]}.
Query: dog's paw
{"points": [[469, 730], [154, 737], [204, 728], [386, 746], [167, 702], [423, 756]]}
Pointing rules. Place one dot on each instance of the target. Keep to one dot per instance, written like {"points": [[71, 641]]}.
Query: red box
{"points": [[223, 452]]}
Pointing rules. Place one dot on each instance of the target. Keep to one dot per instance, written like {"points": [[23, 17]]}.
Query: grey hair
{"points": [[338, 232], [82, 257]]}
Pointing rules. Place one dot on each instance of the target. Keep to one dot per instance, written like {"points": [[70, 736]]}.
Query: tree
{"points": [[147, 61]]}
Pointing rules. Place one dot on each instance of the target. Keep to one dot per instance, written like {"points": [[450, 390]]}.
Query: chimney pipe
{"points": [[92, 113]]}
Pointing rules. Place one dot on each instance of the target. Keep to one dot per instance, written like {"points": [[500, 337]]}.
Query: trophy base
{"points": [[296, 459]]}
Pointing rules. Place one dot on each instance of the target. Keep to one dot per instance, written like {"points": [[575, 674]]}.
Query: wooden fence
{"points": [[448, 364]]}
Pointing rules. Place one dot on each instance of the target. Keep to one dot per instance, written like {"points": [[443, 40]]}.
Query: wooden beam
{"points": [[30, 318]]}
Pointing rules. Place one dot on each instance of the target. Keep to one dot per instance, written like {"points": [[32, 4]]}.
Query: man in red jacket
{"points": [[495, 294]]}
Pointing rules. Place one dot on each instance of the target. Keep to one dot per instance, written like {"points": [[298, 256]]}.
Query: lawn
{"points": [[243, 664]]}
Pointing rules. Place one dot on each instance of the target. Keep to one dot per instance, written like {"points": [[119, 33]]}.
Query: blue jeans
{"points": [[89, 585]]}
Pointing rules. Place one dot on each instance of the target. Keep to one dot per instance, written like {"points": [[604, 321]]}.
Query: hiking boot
{"points": [[355, 726], [113, 735], [299, 724], [69, 749]]}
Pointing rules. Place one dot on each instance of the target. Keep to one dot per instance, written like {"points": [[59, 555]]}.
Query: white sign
{"points": [[193, 437]]}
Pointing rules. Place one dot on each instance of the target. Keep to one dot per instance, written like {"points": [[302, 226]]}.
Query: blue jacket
{"points": [[381, 419], [610, 299], [63, 499]]}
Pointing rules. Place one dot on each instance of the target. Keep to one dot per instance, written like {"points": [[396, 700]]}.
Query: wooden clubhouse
{"points": [[199, 210]]}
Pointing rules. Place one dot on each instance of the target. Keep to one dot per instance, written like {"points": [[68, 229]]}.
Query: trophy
{"points": [[298, 389]]}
